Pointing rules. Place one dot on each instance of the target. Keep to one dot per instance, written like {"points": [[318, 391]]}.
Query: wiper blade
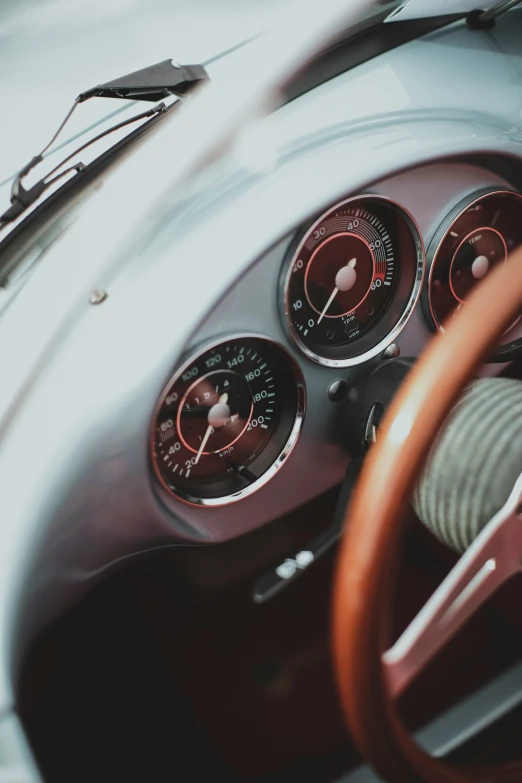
{"points": [[158, 81], [22, 198]]}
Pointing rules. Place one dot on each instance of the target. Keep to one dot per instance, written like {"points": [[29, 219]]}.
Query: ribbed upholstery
{"points": [[474, 463]]}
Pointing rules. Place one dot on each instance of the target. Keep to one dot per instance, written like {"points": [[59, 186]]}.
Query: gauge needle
{"points": [[480, 267], [344, 280], [217, 416]]}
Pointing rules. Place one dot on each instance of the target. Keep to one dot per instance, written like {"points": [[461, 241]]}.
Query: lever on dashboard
{"points": [[362, 415]]}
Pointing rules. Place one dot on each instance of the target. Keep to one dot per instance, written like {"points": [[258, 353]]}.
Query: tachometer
{"points": [[227, 420], [352, 279]]}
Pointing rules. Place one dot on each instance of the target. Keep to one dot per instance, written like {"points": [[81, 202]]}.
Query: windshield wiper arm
{"points": [[486, 19], [499, 8], [157, 81], [22, 198]]}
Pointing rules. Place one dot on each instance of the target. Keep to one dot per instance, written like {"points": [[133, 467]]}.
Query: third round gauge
{"points": [[352, 279], [477, 236]]}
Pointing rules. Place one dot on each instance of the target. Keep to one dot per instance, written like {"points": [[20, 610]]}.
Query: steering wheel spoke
{"points": [[494, 556]]}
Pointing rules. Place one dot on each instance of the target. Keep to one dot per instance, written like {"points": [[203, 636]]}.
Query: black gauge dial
{"points": [[475, 238], [227, 421], [352, 280]]}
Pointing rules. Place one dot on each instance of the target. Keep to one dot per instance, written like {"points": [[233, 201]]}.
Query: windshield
{"points": [[49, 45], [46, 45]]}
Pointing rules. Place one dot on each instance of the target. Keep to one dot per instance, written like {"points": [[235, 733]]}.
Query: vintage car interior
{"points": [[261, 409]]}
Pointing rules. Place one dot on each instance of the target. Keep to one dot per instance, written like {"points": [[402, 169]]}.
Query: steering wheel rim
{"points": [[370, 546]]}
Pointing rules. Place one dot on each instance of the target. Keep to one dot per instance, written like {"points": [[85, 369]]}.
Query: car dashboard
{"points": [[259, 314], [198, 363]]}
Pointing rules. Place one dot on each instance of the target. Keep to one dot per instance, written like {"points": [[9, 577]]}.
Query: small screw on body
{"points": [[392, 352], [97, 297]]}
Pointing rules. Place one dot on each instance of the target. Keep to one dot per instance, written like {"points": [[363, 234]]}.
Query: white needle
{"points": [[210, 429], [344, 280], [327, 305]]}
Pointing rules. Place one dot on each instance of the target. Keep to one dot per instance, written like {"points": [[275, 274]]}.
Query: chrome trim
{"points": [[444, 229], [408, 310], [283, 454]]}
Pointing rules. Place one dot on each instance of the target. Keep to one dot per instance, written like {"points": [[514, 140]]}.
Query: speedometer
{"points": [[227, 420], [352, 279]]}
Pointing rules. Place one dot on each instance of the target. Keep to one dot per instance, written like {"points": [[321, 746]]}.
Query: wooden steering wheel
{"points": [[369, 676]]}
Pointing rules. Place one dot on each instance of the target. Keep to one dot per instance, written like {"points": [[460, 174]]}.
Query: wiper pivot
{"points": [[150, 84], [485, 20]]}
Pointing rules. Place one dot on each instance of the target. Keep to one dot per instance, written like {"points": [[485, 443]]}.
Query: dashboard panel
{"points": [[190, 263], [273, 300]]}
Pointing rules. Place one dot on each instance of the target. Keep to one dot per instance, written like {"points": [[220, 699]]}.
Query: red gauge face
{"points": [[345, 266], [479, 252], [351, 279], [226, 419], [214, 412], [477, 237]]}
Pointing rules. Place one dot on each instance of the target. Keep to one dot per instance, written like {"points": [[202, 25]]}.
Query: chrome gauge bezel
{"points": [[394, 331], [503, 352], [282, 455]]}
